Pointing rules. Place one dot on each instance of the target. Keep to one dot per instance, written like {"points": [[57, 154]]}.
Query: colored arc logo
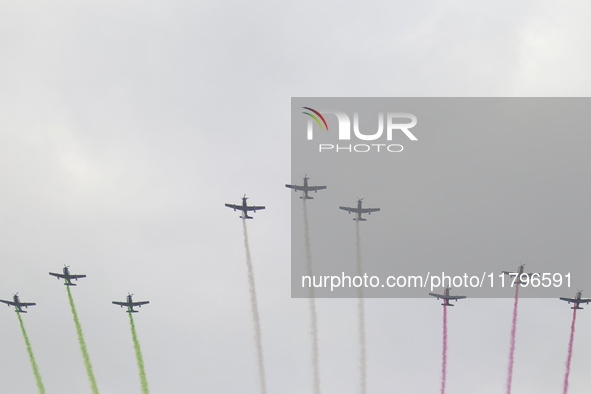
{"points": [[313, 116]]}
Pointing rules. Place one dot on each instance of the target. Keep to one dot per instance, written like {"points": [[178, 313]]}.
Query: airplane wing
{"points": [[233, 206], [8, 302], [77, 276], [455, 297], [140, 303], [120, 303], [27, 304], [368, 210], [57, 275], [527, 275], [445, 297], [253, 208], [575, 300], [349, 209], [316, 188], [295, 187]]}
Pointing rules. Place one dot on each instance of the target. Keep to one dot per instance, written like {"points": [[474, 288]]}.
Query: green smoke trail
{"points": [[31, 356], [138, 356], [82, 343]]}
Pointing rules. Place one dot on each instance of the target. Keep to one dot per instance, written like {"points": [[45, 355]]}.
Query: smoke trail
{"points": [[138, 356], [512, 345], [82, 343], [444, 352], [570, 352], [255, 312], [361, 313], [31, 356], [313, 315]]}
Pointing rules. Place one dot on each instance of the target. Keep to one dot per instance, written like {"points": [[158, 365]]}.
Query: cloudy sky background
{"points": [[124, 128]]}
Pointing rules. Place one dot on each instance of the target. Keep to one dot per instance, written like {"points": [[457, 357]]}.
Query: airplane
{"points": [[130, 303], [446, 297], [519, 274], [359, 210], [18, 305], [306, 188], [67, 276], [577, 300], [245, 208]]}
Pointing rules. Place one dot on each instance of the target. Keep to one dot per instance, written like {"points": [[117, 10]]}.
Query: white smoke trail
{"points": [[313, 315], [255, 312], [361, 313]]}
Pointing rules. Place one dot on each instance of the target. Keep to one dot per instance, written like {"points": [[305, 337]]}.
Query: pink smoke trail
{"points": [[512, 346], [570, 351], [444, 355]]}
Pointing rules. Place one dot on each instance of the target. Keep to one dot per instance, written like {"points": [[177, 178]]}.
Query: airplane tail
{"points": [[360, 219], [245, 217], [70, 284], [21, 311], [307, 198], [447, 304], [576, 307]]}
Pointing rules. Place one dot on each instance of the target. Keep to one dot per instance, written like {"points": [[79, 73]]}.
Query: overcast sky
{"points": [[125, 127]]}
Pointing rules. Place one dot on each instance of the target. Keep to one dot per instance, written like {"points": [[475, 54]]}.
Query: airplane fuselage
{"points": [[306, 196], [244, 209], [359, 207], [130, 305], [17, 304], [68, 281]]}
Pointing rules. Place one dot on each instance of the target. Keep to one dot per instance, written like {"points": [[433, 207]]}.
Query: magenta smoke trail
{"points": [[313, 315], [570, 352], [444, 352], [258, 337], [512, 346], [361, 313]]}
